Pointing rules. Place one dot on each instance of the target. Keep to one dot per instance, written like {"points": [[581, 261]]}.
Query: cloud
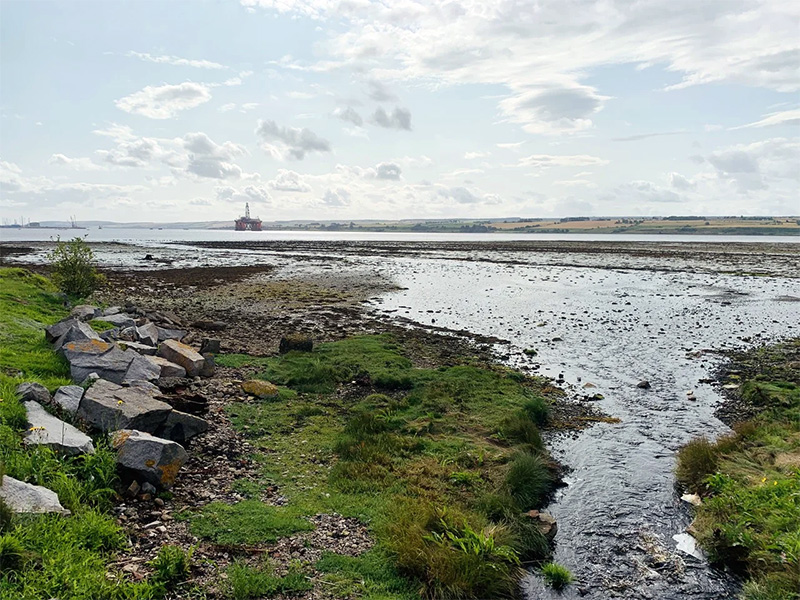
{"points": [[637, 193], [679, 182], [166, 101], [733, 161], [176, 61], [472, 155], [227, 107], [291, 142], [644, 136], [289, 181], [300, 95], [78, 164], [336, 198], [249, 193], [562, 109], [388, 171], [350, 115], [462, 195], [379, 92], [544, 161], [509, 145], [785, 117], [399, 119], [208, 159]]}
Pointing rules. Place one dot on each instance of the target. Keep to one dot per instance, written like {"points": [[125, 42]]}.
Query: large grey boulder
{"points": [[47, 430], [97, 356], [54, 332], [147, 334], [183, 355], [80, 331], [139, 347], [108, 407], [67, 398], [149, 458], [170, 334], [118, 320], [85, 312], [167, 368], [181, 427], [141, 369], [33, 391], [24, 497]]}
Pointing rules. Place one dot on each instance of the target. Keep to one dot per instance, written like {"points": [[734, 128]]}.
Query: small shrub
{"points": [[12, 554], [465, 478], [497, 507], [528, 481], [247, 582], [172, 564], [696, 461], [519, 428], [556, 576], [537, 410], [95, 531], [73, 270]]}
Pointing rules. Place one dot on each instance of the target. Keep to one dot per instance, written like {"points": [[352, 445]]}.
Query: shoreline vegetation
{"points": [[747, 513], [674, 225], [438, 465]]}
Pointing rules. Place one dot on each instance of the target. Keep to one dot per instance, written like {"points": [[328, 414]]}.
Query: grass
{"points": [[556, 576], [427, 457], [46, 556], [246, 582], [750, 479]]}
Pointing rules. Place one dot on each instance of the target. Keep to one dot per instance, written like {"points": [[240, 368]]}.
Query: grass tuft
{"points": [[529, 481], [556, 576]]}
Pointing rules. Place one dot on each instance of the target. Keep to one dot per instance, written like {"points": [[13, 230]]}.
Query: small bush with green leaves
{"points": [[172, 564], [73, 269], [556, 576]]}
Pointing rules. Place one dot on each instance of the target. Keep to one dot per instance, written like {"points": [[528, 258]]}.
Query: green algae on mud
{"points": [[438, 461], [750, 479]]}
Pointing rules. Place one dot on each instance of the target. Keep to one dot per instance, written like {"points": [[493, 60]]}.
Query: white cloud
{"points": [[166, 101], [785, 117], [544, 161], [350, 115], [289, 142], [400, 118], [388, 171], [289, 181], [250, 193], [473, 155], [336, 198], [176, 61], [679, 182], [78, 164], [208, 159]]}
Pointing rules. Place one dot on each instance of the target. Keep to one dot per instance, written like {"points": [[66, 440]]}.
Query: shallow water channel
{"points": [[612, 328]]}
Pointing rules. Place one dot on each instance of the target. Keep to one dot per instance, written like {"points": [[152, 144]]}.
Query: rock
{"points": [[108, 406], [183, 355], [147, 334], [141, 369], [118, 320], [210, 325], [133, 489], [149, 488], [84, 312], [24, 497], [54, 332], [33, 391], [167, 368], [298, 342], [209, 366], [112, 310], [643, 385], [97, 356], [76, 333], [210, 346], [545, 522], [181, 427], [588, 386], [138, 347], [692, 499], [127, 334], [260, 389], [150, 459], [47, 430], [67, 398], [170, 334]]}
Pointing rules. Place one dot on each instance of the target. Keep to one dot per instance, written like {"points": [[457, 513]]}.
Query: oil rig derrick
{"points": [[246, 223]]}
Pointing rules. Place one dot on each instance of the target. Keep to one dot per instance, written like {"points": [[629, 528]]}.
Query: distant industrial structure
{"points": [[246, 223]]}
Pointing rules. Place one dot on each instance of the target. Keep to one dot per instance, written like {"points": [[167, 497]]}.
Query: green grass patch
{"points": [[556, 576], [245, 582], [100, 326], [750, 479]]}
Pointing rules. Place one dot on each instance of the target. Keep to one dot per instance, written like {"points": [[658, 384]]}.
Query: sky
{"points": [[354, 109]]}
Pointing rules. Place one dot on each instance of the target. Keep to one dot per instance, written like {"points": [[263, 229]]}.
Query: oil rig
{"points": [[246, 223]]}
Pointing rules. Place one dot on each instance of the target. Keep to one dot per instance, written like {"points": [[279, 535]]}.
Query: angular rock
{"points": [[545, 522], [170, 334], [95, 356], [298, 342], [68, 398], [118, 320], [24, 497], [54, 332], [209, 366], [112, 310], [260, 389], [141, 369], [181, 427], [210, 346], [147, 334], [108, 407], [210, 325], [128, 334], [47, 430], [85, 312], [33, 391], [182, 355], [167, 368], [643, 385], [78, 332], [149, 458], [138, 347]]}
